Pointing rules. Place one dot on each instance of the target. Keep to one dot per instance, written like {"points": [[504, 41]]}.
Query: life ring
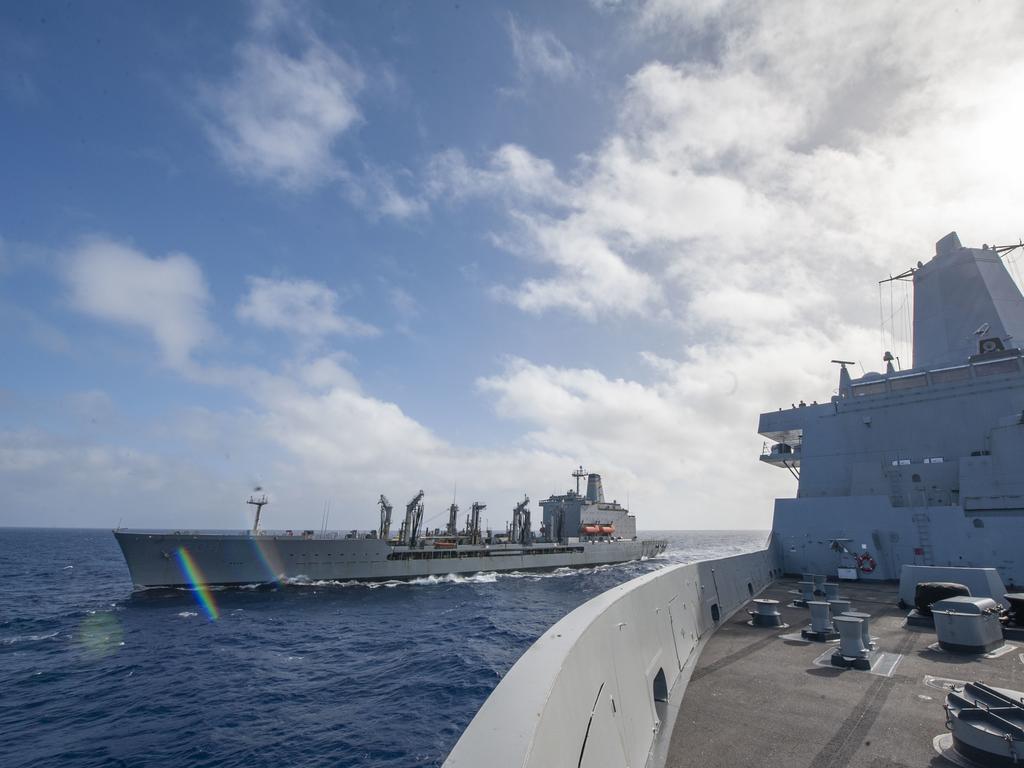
{"points": [[866, 563]]}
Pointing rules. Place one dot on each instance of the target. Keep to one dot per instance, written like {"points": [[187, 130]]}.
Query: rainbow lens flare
{"points": [[195, 579], [269, 558]]}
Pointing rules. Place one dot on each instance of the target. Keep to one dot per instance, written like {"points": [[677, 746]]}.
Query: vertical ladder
{"points": [[921, 521]]}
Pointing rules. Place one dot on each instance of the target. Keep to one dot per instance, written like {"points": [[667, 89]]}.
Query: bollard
{"points": [[821, 629], [819, 584], [865, 626], [807, 590], [821, 621], [852, 652], [839, 606]]}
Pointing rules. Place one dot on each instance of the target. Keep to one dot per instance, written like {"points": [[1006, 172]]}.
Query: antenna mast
{"points": [[579, 473], [259, 503]]}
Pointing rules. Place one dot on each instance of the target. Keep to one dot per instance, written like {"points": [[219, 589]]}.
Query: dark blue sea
{"points": [[336, 675]]}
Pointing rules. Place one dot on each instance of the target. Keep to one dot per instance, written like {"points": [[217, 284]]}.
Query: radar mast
{"points": [[259, 503], [579, 474]]}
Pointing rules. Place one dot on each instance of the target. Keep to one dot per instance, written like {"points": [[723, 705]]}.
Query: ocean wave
{"points": [[29, 638]]}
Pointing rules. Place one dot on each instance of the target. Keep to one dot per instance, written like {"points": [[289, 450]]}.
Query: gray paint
{"points": [[922, 466], [577, 511], [584, 693], [910, 467], [246, 558]]}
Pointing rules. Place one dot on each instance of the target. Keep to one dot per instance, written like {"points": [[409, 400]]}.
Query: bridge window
{"points": [[947, 375], [872, 388], [909, 382], [995, 368]]}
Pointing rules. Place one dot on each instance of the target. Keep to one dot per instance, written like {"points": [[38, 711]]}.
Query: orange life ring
{"points": [[866, 563]]}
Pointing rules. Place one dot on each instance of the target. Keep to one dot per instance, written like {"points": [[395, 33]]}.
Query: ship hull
{"points": [[165, 559]]}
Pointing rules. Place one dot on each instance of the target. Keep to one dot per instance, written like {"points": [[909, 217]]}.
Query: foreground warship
{"points": [[913, 475], [576, 531]]}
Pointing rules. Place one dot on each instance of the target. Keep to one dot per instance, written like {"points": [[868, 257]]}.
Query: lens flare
{"points": [[195, 579], [270, 559], [100, 634]]}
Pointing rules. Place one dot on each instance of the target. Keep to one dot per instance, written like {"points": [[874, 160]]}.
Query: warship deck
{"points": [[757, 698]]}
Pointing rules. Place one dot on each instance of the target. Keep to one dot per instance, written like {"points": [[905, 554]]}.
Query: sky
{"points": [[335, 250]]}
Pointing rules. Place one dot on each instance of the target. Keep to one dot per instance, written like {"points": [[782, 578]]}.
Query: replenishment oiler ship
{"points": [[806, 653], [576, 531]]}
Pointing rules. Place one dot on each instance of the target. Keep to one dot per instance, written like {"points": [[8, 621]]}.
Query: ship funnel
{"points": [[962, 298], [594, 490]]}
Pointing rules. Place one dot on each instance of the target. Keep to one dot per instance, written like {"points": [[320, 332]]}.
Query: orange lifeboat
{"points": [[444, 545], [607, 530], [590, 530]]}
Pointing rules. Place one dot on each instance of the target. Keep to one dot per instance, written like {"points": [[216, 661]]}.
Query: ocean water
{"points": [[300, 675]]}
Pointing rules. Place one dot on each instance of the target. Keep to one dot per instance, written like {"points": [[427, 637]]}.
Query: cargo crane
{"points": [[413, 518], [385, 517], [473, 522], [520, 531]]}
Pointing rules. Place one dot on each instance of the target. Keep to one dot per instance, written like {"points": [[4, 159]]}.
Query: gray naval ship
{"points": [[576, 531], [910, 492]]}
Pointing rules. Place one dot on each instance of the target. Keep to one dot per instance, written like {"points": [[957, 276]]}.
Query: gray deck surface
{"points": [[757, 699]]}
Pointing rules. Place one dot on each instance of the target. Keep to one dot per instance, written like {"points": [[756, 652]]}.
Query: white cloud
{"points": [[279, 114], [773, 166], [165, 297], [511, 172], [538, 52], [302, 307], [683, 444], [40, 472], [404, 304], [377, 191], [591, 279], [282, 112]]}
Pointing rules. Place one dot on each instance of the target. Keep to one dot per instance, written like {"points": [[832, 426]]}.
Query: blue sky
{"points": [[348, 249]]}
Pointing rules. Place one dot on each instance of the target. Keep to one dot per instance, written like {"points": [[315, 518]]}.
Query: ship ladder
{"points": [[924, 540]]}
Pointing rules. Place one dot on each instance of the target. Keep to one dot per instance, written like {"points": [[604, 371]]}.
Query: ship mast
{"points": [[385, 517], [579, 474], [259, 503]]}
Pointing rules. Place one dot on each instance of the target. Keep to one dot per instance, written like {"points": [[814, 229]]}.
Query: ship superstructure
{"points": [[172, 558], [589, 516], [919, 466]]}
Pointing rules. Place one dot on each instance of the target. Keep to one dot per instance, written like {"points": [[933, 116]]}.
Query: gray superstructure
{"points": [[589, 514], [187, 558], [920, 466]]}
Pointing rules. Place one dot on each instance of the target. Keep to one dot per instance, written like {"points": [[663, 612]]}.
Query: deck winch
{"points": [[766, 615]]}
